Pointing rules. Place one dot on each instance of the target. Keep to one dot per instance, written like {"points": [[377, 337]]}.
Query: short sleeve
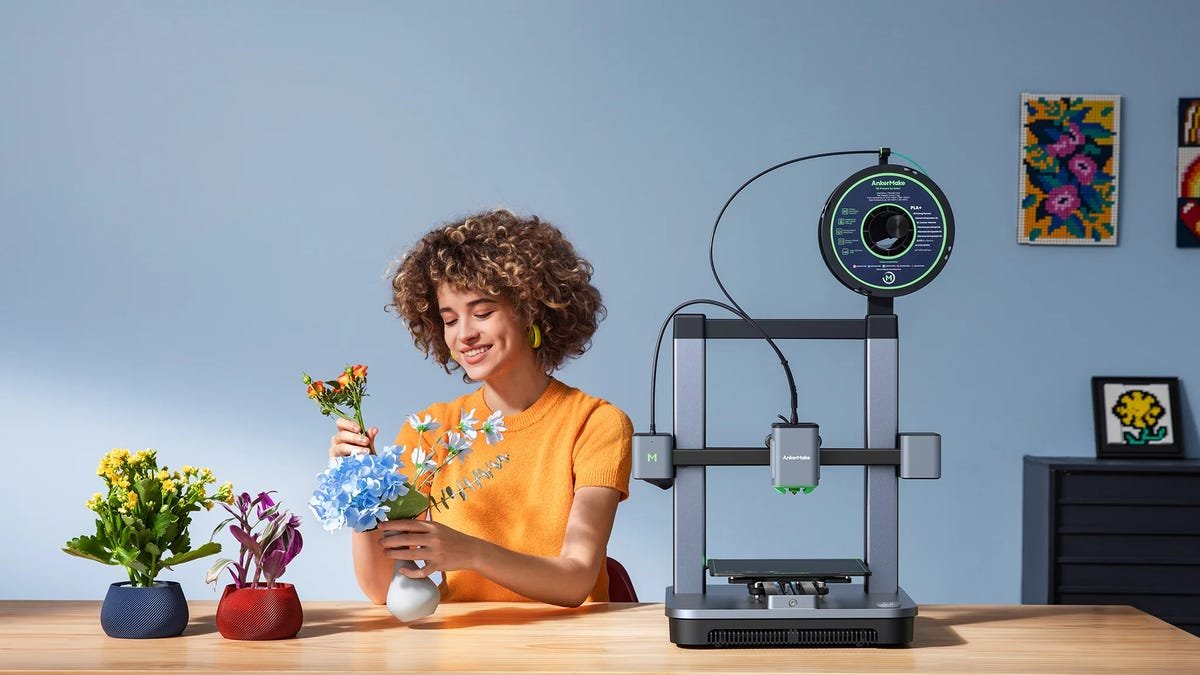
{"points": [[602, 454]]}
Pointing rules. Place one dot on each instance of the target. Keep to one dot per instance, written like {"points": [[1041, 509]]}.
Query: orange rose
{"points": [[359, 372], [344, 380], [316, 389]]}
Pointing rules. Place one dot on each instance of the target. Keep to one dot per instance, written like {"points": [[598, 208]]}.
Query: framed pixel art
{"points": [[1187, 184], [1137, 417], [1069, 167]]}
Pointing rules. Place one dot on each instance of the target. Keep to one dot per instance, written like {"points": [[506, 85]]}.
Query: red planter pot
{"points": [[260, 613]]}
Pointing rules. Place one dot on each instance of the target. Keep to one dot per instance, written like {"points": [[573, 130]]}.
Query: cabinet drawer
{"points": [[1179, 548], [1123, 577], [1128, 519], [1163, 488]]}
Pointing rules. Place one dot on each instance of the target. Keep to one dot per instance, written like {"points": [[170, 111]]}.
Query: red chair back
{"points": [[620, 586]]}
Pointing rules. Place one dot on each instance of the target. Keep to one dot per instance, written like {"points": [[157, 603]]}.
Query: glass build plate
{"points": [[776, 569]]}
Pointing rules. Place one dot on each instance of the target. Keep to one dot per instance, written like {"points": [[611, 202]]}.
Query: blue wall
{"points": [[199, 201]]}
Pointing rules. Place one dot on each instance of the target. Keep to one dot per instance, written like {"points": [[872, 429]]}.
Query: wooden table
{"points": [[474, 637]]}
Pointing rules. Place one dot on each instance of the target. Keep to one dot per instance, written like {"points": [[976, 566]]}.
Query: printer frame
{"points": [[875, 612]]}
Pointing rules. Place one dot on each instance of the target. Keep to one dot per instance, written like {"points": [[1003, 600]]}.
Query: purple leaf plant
{"points": [[269, 538]]}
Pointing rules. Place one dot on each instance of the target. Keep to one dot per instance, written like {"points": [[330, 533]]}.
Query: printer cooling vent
{"points": [[814, 637]]}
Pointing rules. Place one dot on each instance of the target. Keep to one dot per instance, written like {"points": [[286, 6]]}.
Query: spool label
{"points": [[888, 231]]}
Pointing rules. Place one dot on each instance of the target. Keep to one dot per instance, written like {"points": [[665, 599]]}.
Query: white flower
{"points": [[466, 424], [421, 426], [457, 444], [493, 428], [422, 461]]}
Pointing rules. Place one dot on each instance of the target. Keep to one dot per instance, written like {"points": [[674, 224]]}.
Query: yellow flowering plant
{"points": [[146, 513]]}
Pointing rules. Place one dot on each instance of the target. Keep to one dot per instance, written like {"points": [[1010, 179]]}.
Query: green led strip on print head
{"points": [[941, 213], [793, 490]]}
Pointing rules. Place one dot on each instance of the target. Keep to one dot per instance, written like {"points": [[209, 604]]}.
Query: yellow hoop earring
{"points": [[535, 336], [454, 358]]}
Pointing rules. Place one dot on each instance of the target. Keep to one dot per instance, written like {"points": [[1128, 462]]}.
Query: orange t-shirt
{"points": [[564, 441]]}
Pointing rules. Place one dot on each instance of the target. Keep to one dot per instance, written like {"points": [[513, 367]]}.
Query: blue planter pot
{"points": [[155, 612]]}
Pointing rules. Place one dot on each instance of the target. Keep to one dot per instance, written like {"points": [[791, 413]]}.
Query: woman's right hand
{"points": [[349, 439]]}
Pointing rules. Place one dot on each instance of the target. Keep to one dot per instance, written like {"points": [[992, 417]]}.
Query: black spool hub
{"points": [[886, 231]]}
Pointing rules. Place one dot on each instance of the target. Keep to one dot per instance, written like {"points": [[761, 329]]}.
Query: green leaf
{"points": [[162, 522], [1029, 201], [181, 543], [1094, 131], [149, 490], [123, 556], [90, 548], [152, 549], [272, 532], [411, 505], [1074, 226], [207, 549], [221, 526], [216, 569]]}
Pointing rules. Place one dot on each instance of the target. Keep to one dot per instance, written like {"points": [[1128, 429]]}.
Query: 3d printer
{"points": [[886, 231]]}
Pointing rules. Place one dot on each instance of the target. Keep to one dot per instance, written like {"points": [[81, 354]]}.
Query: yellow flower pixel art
{"points": [[1140, 410]]}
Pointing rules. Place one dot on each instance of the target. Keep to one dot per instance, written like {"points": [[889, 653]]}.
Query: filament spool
{"points": [[886, 231]]}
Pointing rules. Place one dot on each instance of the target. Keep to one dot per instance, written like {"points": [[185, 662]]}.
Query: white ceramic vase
{"points": [[410, 599]]}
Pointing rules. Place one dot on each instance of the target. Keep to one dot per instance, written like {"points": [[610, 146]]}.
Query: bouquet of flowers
{"points": [[268, 550], [348, 389], [145, 513], [362, 490]]}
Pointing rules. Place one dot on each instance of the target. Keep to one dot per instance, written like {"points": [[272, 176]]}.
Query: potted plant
{"points": [[144, 515], [258, 607]]}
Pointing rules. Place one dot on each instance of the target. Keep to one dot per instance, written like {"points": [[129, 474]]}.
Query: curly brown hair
{"points": [[524, 261]]}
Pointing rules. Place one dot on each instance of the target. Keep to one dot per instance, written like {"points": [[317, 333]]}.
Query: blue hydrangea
{"points": [[354, 490]]}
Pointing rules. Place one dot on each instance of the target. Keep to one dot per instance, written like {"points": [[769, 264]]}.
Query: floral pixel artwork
{"points": [[1139, 417], [1069, 168], [1187, 185]]}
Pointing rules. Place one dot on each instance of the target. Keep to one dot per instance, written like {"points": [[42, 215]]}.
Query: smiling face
{"points": [[484, 334]]}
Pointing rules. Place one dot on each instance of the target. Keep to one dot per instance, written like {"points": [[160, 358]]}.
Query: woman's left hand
{"points": [[441, 547]]}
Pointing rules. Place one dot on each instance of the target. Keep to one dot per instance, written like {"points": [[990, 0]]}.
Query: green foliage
{"points": [[411, 505], [145, 513], [90, 548], [207, 549]]}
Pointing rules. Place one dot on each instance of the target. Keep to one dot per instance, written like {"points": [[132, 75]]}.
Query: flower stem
{"points": [[361, 426]]}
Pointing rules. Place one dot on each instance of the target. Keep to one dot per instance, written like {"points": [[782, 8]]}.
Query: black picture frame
{"points": [[1144, 426]]}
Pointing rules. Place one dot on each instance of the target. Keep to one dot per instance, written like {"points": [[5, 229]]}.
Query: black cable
{"points": [[713, 266], [704, 301], [736, 308]]}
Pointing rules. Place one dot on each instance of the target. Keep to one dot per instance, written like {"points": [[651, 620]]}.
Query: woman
{"points": [[507, 300]]}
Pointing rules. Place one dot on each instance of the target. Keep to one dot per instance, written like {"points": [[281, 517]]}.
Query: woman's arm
{"points": [[565, 580], [372, 567]]}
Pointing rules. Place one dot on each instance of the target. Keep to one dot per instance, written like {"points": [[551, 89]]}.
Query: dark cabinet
{"points": [[1113, 532]]}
